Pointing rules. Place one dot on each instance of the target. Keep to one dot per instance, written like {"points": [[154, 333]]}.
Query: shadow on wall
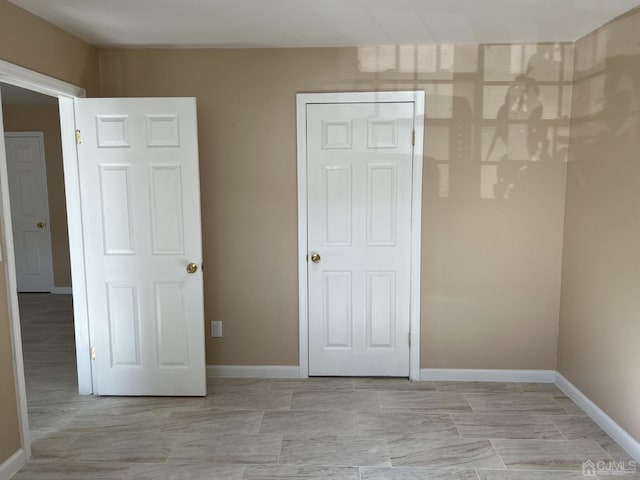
{"points": [[607, 116], [512, 101], [496, 150]]}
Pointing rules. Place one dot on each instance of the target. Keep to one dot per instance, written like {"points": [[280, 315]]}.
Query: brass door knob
{"points": [[192, 268], [315, 257], [40, 224]]}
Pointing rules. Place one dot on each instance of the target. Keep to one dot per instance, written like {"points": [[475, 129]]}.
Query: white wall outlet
{"points": [[216, 329]]}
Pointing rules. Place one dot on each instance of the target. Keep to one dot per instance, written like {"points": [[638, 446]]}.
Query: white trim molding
{"points": [[487, 375], [249, 371], [615, 431], [12, 464], [37, 82], [62, 291], [416, 97]]}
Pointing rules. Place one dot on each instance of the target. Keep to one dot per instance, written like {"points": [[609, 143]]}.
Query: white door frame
{"points": [[66, 93], [40, 137], [302, 100]]}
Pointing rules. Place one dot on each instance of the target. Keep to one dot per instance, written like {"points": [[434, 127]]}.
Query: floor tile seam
{"points": [[280, 450], [562, 406], [495, 449], [361, 436], [509, 394], [576, 470], [424, 411], [65, 450], [558, 428], [262, 413], [528, 468], [586, 439], [508, 414], [564, 438], [518, 412], [455, 424]]}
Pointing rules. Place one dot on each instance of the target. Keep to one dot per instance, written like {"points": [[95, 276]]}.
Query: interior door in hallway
{"points": [[359, 237], [29, 211], [140, 192]]}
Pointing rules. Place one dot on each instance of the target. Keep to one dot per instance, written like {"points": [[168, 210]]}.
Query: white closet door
{"points": [[359, 237]]}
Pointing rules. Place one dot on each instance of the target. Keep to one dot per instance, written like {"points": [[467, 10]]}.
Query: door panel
{"points": [[138, 163], [381, 205], [115, 192], [166, 209], [338, 321], [124, 323], [337, 207], [29, 212], [359, 221], [381, 299]]}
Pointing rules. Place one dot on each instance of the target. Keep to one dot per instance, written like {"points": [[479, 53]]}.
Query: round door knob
{"points": [[40, 224], [192, 268], [315, 258]]}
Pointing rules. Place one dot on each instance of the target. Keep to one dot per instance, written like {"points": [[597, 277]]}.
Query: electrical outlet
{"points": [[216, 329]]}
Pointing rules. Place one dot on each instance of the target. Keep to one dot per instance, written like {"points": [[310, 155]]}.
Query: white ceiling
{"points": [[12, 95], [311, 23]]}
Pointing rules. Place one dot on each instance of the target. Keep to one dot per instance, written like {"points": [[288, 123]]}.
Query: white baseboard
{"points": [[426, 374], [12, 464], [61, 291], [490, 375], [248, 371], [626, 441]]}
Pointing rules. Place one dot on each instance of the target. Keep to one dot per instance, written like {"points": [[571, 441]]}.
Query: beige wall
{"points": [[599, 327], [10, 436], [30, 42], [46, 119], [492, 233]]}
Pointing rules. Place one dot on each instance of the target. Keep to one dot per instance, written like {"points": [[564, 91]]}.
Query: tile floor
{"points": [[337, 428]]}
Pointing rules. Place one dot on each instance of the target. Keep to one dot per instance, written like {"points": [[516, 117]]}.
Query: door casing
{"points": [[302, 100]]}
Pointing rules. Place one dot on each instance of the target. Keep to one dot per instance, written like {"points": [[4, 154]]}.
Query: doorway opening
{"points": [[23, 88], [36, 188], [40, 249]]}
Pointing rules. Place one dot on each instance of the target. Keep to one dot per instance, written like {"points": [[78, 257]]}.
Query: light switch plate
{"points": [[216, 329]]}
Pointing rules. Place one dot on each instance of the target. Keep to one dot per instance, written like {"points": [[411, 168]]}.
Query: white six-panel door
{"points": [[138, 164], [359, 182], [29, 211]]}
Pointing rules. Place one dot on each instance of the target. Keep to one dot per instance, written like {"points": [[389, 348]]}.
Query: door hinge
{"points": [[409, 339], [78, 137], [413, 137], [93, 353]]}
